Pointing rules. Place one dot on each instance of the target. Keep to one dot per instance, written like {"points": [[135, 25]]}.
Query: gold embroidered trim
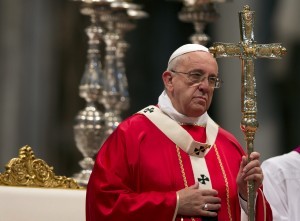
{"points": [[264, 202], [226, 182], [181, 167], [182, 173], [191, 124]]}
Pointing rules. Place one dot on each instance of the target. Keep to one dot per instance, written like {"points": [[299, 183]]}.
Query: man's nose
{"points": [[203, 83]]}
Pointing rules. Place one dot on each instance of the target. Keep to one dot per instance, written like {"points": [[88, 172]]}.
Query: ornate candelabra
{"points": [[103, 88], [90, 124], [200, 13], [115, 94]]}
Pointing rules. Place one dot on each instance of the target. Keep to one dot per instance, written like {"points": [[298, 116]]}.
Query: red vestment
{"points": [[137, 173]]}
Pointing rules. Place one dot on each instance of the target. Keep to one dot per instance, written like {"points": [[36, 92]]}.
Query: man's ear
{"points": [[167, 77]]}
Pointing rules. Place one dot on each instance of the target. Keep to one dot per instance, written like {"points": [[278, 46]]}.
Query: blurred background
{"points": [[43, 53]]}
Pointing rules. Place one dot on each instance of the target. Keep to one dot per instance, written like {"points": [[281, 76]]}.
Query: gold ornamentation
{"points": [[191, 124], [226, 182], [31, 172], [182, 172], [181, 167]]}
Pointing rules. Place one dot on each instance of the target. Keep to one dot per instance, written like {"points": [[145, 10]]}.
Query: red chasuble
{"points": [[137, 173]]}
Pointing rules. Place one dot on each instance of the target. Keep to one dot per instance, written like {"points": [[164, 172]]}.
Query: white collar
{"points": [[166, 106]]}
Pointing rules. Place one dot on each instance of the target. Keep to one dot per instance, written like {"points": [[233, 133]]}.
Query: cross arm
{"points": [[220, 50], [274, 50]]}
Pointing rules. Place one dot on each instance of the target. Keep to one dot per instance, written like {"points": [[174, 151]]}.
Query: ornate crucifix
{"points": [[247, 50]]}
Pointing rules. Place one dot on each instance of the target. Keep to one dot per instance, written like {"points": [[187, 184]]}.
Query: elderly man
{"points": [[171, 161]]}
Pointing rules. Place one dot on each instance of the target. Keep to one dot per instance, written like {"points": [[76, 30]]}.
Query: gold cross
{"points": [[248, 50]]}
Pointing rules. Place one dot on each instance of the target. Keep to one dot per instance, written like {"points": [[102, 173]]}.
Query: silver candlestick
{"points": [[123, 25], [200, 13], [115, 95], [102, 88], [89, 128]]}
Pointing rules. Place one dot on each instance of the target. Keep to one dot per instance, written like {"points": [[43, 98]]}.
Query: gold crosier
{"points": [[247, 50]]}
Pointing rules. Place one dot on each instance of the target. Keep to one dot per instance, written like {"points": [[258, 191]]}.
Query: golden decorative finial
{"points": [[246, 8]]}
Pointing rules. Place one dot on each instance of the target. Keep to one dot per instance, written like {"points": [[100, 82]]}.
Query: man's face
{"points": [[187, 97]]}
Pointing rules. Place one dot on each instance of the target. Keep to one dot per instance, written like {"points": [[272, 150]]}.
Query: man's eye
{"points": [[212, 79], [196, 74]]}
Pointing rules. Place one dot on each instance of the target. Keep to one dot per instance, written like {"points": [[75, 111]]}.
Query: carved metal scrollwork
{"points": [[28, 171]]}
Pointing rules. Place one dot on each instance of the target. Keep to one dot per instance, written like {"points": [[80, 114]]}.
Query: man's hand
{"points": [[249, 171], [198, 202]]}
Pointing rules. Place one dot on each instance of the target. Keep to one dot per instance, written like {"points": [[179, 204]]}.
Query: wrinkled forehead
{"points": [[197, 60]]}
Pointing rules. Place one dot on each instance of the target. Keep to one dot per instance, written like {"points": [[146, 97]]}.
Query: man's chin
{"points": [[198, 112]]}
